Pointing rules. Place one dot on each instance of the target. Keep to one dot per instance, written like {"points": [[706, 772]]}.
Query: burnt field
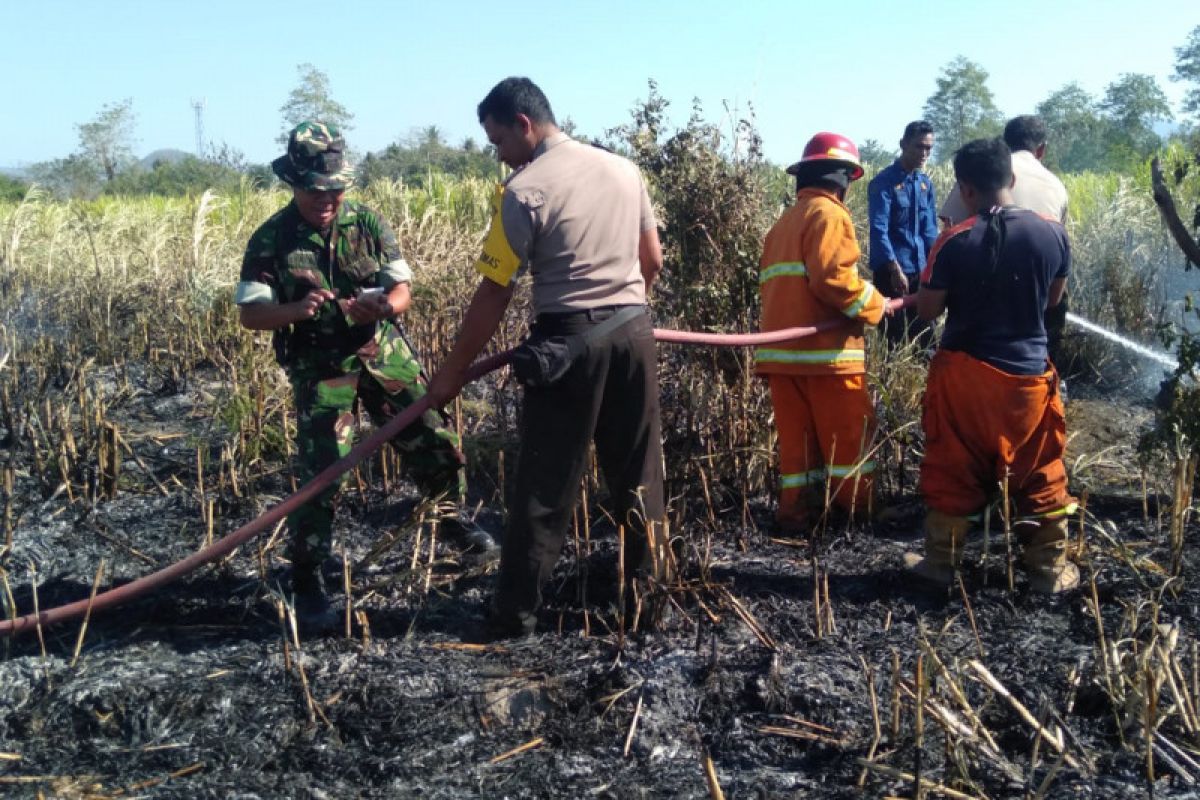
{"points": [[138, 422], [776, 669]]}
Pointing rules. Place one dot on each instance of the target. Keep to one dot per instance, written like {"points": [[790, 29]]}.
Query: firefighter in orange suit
{"points": [[809, 277], [992, 411]]}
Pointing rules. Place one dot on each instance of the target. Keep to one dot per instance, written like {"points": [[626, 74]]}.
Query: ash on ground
{"points": [[778, 669]]}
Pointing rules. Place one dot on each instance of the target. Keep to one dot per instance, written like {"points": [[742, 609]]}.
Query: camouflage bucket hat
{"points": [[315, 159]]}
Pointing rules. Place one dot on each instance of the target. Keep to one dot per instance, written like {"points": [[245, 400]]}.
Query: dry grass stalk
{"points": [[818, 615], [364, 626], [87, 614], [8, 512], [960, 697], [37, 615], [959, 732], [346, 590], [806, 730], [926, 784], [830, 622], [516, 751], [1183, 703], [1176, 758], [637, 714], [962, 589], [1053, 738], [1006, 515], [745, 616], [1181, 505], [919, 727], [310, 704], [432, 559], [877, 729], [147, 784], [895, 695], [620, 587], [710, 775], [468, 647], [163, 490], [1151, 704], [1044, 786], [23, 779], [800, 733]]}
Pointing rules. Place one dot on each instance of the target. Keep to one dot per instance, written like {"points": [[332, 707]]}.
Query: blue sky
{"points": [[863, 69]]}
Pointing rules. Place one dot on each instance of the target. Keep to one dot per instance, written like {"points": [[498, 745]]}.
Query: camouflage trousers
{"points": [[383, 377]]}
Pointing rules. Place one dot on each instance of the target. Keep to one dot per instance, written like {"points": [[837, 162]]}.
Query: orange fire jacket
{"points": [[808, 276]]}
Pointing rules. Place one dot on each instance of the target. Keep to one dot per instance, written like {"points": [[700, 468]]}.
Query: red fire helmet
{"points": [[827, 146]]}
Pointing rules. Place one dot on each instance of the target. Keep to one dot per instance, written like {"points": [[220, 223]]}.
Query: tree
{"points": [[11, 189], [1132, 104], [312, 100], [424, 152], [1075, 130], [107, 141], [874, 154], [1187, 68], [961, 108], [189, 175], [73, 176]]}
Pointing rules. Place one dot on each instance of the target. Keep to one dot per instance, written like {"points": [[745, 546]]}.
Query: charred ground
{"points": [[787, 666]]}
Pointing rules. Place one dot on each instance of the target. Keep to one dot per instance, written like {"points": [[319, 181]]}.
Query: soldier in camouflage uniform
{"points": [[326, 275]]}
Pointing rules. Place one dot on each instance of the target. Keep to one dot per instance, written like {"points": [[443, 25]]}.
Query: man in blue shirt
{"points": [[903, 214]]}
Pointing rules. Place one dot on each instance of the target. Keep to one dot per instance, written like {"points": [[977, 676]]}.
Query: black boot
{"points": [[472, 541], [314, 612]]}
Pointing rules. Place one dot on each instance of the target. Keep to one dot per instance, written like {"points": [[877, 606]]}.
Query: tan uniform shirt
{"points": [[573, 217], [1036, 188]]}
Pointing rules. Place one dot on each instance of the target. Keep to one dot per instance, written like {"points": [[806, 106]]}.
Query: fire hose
{"points": [[226, 545]]}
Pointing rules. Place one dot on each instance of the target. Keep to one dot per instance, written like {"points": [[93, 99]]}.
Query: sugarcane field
{"points": [[659, 468]]}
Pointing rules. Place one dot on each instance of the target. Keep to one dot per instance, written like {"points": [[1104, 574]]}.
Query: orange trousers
{"points": [[825, 425], [983, 425]]}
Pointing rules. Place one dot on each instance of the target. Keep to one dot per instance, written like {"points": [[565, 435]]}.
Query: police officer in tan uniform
{"points": [[578, 219]]}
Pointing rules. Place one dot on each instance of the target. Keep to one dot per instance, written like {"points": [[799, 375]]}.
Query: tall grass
{"points": [[125, 278]]}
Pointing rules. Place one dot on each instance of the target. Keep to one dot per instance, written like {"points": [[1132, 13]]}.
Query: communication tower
{"points": [[198, 107]]}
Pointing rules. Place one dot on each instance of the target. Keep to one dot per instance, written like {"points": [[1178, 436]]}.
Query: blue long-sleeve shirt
{"points": [[903, 213]]}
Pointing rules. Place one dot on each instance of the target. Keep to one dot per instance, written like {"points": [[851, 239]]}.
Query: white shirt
{"points": [[1036, 188]]}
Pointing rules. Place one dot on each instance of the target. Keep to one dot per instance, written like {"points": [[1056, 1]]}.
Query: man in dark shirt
{"points": [[902, 210], [992, 411]]}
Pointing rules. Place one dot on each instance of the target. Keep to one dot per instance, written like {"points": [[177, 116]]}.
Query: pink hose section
{"points": [[226, 545]]}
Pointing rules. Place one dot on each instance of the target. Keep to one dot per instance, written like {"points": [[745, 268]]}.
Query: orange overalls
{"points": [[983, 426], [823, 414]]}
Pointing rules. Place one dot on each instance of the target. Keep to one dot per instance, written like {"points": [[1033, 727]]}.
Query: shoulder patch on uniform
{"points": [[498, 262]]}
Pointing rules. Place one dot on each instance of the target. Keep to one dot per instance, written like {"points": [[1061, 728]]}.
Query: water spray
{"points": [[1128, 344]]}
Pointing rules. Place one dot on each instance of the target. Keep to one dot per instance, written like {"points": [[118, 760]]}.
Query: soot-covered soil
{"points": [[200, 690]]}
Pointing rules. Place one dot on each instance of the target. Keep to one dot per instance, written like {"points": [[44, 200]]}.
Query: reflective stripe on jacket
{"points": [[809, 275]]}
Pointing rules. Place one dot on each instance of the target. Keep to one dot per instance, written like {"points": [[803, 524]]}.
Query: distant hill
{"points": [[166, 154], [20, 173]]}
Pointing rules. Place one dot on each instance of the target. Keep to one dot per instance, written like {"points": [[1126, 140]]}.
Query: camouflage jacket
{"points": [[286, 258]]}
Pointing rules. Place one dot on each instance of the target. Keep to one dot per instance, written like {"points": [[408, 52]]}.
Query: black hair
{"points": [[986, 164], [916, 128], [1025, 132], [513, 96]]}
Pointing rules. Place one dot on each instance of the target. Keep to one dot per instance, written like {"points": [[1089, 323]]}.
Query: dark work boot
{"points": [[473, 542], [314, 612]]}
